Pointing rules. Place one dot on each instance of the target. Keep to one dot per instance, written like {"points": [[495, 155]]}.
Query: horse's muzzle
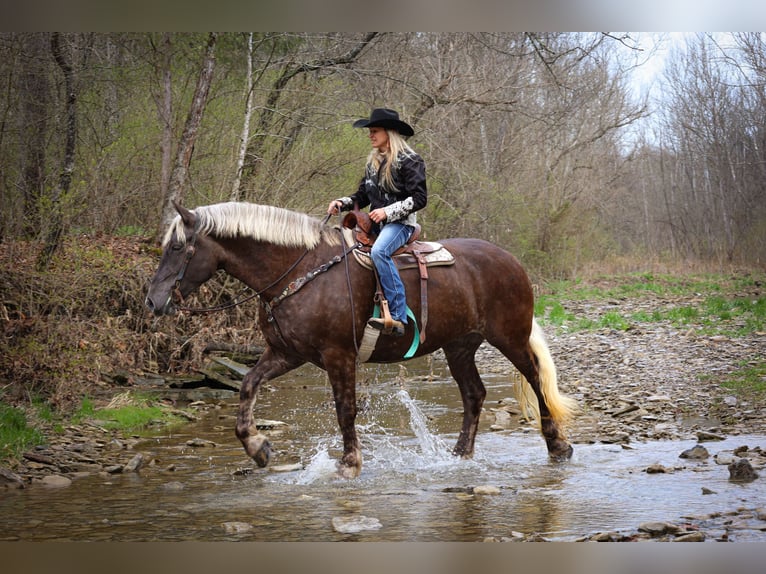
{"points": [[168, 308]]}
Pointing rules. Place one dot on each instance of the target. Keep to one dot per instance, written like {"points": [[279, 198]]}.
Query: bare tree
{"points": [[288, 70], [186, 145], [243, 139], [55, 225], [34, 93]]}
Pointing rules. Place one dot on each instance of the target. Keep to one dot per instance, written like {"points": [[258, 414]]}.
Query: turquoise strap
{"points": [[416, 337]]}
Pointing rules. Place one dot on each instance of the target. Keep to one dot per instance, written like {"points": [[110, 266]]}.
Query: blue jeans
{"points": [[392, 237]]}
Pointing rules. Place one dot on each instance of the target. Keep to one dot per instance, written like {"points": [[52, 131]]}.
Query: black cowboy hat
{"points": [[385, 118]]}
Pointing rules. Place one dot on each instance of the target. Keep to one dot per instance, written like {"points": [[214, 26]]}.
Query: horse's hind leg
{"points": [[269, 366], [539, 371], [462, 365]]}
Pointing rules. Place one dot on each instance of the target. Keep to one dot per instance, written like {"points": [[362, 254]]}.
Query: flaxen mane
{"points": [[260, 222]]}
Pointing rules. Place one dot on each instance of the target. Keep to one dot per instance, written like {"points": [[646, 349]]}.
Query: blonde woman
{"points": [[394, 186]]}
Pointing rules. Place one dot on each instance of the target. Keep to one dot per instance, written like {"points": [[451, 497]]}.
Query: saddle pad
{"points": [[437, 255]]}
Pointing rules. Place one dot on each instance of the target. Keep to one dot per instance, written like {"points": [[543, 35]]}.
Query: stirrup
{"points": [[396, 328]]}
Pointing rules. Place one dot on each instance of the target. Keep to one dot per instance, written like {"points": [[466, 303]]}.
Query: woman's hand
{"points": [[378, 215], [334, 207]]}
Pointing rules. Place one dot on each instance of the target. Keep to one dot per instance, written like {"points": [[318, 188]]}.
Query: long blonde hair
{"points": [[397, 147]]}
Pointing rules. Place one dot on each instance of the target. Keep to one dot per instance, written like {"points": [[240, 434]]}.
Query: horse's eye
{"points": [[176, 247]]}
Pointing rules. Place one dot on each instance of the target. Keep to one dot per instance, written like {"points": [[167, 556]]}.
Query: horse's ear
{"points": [[186, 215]]}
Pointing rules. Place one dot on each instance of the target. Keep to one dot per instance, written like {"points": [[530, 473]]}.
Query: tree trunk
{"points": [[186, 145], [235, 191], [55, 225], [166, 115], [35, 101]]}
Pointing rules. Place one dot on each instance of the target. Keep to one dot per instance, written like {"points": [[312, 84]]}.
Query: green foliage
{"points": [[749, 380], [15, 433], [712, 304], [132, 413]]}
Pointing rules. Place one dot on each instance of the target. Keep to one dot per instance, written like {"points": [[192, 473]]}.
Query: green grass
{"points": [[16, 435], [134, 414], [749, 381], [711, 304]]}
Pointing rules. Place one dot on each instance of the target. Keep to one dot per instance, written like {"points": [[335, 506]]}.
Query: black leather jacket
{"points": [[410, 195]]}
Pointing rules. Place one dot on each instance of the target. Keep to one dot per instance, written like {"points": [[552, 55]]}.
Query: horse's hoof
{"points": [[562, 453], [348, 472], [263, 454]]}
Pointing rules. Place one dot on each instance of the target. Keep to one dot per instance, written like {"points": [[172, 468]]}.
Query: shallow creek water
{"points": [[410, 489]]}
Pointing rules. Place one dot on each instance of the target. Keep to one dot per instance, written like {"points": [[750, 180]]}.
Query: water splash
{"points": [[321, 468], [431, 446]]}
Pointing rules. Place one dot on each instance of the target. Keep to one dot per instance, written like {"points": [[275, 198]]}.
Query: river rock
{"points": [[696, 536], [200, 442], [10, 479], [486, 489], [703, 436], [236, 527], [657, 528], [354, 524], [724, 458], [742, 471], [697, 452], [286, 467], [55, 481], [134, 464]]}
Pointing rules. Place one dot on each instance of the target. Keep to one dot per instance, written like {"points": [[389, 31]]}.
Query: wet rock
{"points": [[615, 438], [658, 528], [55, 481], [742, 471], [706, 490], [200, 442], [134, 464], [236, 527], [656, 469], [697, 452], [286, 467], [354, 524], [502, 418], [486, 489], [695, 536], [9, 479], [606, 537], [173, 486], [703, 436], [724, 458]]}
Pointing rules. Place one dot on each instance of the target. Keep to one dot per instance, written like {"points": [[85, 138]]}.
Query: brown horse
{"points": [[315, 301]]}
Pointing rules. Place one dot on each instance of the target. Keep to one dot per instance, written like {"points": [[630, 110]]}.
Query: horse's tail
{"points": [[561, 408]]}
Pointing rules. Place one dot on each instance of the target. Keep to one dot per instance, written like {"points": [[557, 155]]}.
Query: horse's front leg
{"points": [[269, 366], [342, 374]]}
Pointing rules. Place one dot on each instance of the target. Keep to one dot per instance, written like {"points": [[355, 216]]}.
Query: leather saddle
{"points": [[364, 232]]}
